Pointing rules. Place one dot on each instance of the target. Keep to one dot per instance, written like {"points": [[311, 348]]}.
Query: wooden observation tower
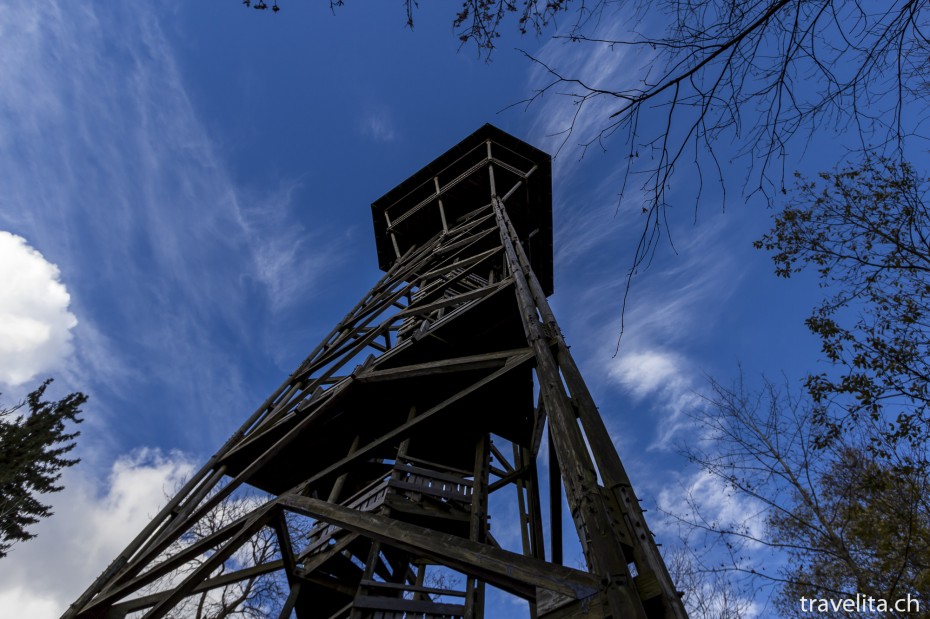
{"points": [[370, 477]]}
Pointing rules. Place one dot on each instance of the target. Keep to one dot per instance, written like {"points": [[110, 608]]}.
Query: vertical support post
{"points": [[555, 504], [521, 503], [478, 524], [393, 236], [374, 556], [442, 210], [646, 554], [592, 518], [341, 480], [534, 508]]}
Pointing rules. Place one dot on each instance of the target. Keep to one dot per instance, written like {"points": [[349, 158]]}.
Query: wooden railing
{"points": [[384, 600], [407, 478], [413, 480]]}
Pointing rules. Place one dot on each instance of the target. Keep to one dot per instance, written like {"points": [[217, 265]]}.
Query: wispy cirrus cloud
{"points": [[112, 176], [672, 306], [568, 116], [706, 500], [378, 125]]}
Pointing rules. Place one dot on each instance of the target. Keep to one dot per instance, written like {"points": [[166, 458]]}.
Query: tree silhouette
{"points": [[865, 231], [33, 448]]}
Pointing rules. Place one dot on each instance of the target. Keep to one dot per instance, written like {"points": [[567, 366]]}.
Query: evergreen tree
{"points": [[33, 448]]}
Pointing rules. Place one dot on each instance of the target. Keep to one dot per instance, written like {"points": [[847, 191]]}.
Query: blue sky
{"points": [[184, 214]]}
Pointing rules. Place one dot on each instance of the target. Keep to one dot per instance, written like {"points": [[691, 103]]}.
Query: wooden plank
{"points": [[553, 606], [416, 310], [411, 588], [433, 474], [535, 509], [478, 523], [456, 364], [648, 558], [539, 422], [400, 604], [435, 466], [510, 571], [460, 264], [406, 428], [510, 168], [501, 458], [555, 504], [450, 512], [506, 479], [284, 544], [313, 562], [521, 505], [468, 240], [430, 490]]}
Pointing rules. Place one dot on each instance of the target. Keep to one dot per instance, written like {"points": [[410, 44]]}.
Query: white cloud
{"points": [[26, 604], [41, 577], [287, 258], [644, 372], [671, 307], [705, 498], [667, 380], [35, 324], [379, 126], [568, 115], [664, 377], [109, 167]]}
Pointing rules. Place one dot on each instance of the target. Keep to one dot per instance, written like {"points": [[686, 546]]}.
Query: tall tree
{"points": [[865, 231], [840, 476], [879, 546], [841, 520], [33, 451]]}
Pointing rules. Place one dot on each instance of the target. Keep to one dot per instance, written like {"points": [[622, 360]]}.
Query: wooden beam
{"points": [[256, 521], [443, 366], [512, 572], [405, 429], [648, 559], [591, 514], [416, 309], [141, 603], [555, 505]]}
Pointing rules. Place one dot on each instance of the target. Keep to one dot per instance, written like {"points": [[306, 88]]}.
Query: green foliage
{"points": [[866, 232], [877, 541], [33, 448]]}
